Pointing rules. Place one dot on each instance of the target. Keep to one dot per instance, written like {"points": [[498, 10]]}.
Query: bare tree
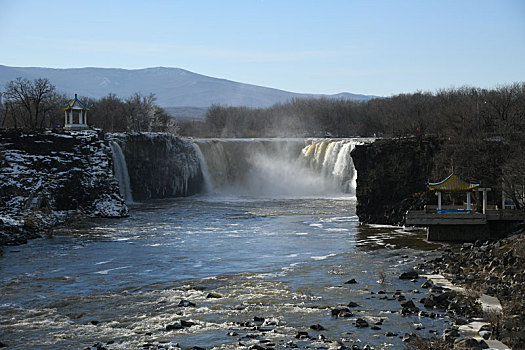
{"points": [[30, 101], [140, 111]]}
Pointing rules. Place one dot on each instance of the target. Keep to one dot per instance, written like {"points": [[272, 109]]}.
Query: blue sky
{"points": [[370, 47]]}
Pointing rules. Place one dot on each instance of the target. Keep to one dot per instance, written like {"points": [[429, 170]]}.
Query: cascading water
{"points": [[204, 168], [332, 159], [278, 168], [121, 172]]}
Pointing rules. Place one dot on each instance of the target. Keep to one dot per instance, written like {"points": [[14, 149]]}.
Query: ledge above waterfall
{"points": [[160, 165]]}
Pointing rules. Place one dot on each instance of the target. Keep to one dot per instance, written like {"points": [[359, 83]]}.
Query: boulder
{"points": [[302, 335], [469, 344], [212, 295], [360, 323], [409, 275], [185, 303], [317, 327]]}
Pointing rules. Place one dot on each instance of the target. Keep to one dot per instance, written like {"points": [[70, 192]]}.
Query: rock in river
{"points": [[409, 275], [360, 323]]}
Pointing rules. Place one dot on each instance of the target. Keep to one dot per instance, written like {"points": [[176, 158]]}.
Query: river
{"points": [[237, 268], [284, 260]]}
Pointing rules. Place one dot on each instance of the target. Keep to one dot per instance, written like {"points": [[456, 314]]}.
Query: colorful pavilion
{"points": [[457, 224], [454, 183], [75, 108]]}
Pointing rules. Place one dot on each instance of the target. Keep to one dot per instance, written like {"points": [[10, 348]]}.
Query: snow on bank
{"points": [[44, 177]]}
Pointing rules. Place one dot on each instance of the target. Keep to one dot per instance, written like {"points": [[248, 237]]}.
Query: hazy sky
{"points": [[370, 47]]}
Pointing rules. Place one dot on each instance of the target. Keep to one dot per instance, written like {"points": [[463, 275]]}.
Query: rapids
{"points": [[262, 254]]}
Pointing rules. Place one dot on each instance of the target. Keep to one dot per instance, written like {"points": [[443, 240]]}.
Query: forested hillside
{"points": [[451, 112]]}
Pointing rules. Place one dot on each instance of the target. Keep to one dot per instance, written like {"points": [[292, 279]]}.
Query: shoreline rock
{"points": [[496, 269]]}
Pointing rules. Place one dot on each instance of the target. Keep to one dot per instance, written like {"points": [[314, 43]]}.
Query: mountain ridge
{"points": [[173, 87]]}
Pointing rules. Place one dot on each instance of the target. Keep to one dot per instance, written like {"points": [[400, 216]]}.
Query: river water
{"points": [[262, 255], [284, 260]]}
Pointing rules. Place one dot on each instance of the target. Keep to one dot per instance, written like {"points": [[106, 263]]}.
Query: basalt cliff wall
{"points": [[48, 178], [392, 174], [54, 177], [391, 177], [160, 165]]}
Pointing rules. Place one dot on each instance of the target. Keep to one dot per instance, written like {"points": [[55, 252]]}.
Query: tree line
{"points": [[35, 105], [443, 113]]}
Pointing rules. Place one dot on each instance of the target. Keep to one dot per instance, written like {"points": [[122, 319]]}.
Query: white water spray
{"points": [[333, 160], [278, 168], [120, 169]]}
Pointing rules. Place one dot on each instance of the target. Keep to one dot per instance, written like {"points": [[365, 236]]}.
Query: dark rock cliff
{"points": [[160, 165], [391, 178], [48, 177]]}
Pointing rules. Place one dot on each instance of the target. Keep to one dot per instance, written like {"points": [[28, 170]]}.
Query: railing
{"points": [[459, 209], [453, 211]]}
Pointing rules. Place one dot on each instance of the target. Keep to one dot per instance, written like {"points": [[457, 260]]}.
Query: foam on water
{"points": [[130, 276], [277, 168]]}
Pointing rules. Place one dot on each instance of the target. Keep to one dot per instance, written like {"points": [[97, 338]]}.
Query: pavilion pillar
{"points": [[468, 201], [484, 201], [439, 201], [65, 118]]}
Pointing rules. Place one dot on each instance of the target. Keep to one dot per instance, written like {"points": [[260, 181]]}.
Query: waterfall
{"points": [[332, 159], [121, 172], [204, 168], [277, 167]]}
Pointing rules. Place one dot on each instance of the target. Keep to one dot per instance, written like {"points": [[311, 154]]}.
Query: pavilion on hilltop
{"points": [[75, 108]]}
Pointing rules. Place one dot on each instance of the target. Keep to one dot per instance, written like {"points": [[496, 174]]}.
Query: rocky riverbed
{"points": [[261, 333], [496, 269]]}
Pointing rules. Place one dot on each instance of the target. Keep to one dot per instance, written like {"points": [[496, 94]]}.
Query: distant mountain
{"points": [[173, 87]]}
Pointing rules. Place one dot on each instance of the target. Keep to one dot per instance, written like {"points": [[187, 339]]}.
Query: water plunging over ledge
{"points": [[283, 168], [121, 172], [275, 238]]}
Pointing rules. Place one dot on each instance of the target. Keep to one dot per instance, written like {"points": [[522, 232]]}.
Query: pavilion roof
{"points": [[75, 104], [453, 183]]}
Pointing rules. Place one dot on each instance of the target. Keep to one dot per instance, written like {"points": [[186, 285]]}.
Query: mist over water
{"points": [[274, 237], [278, 168]]}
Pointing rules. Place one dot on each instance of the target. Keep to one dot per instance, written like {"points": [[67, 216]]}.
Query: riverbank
{"points": [[495, 269], [51, 178]]}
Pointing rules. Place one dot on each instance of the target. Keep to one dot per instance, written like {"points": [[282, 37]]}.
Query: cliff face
{"points": [[160, 165], [391, 178], [47, 177]]}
